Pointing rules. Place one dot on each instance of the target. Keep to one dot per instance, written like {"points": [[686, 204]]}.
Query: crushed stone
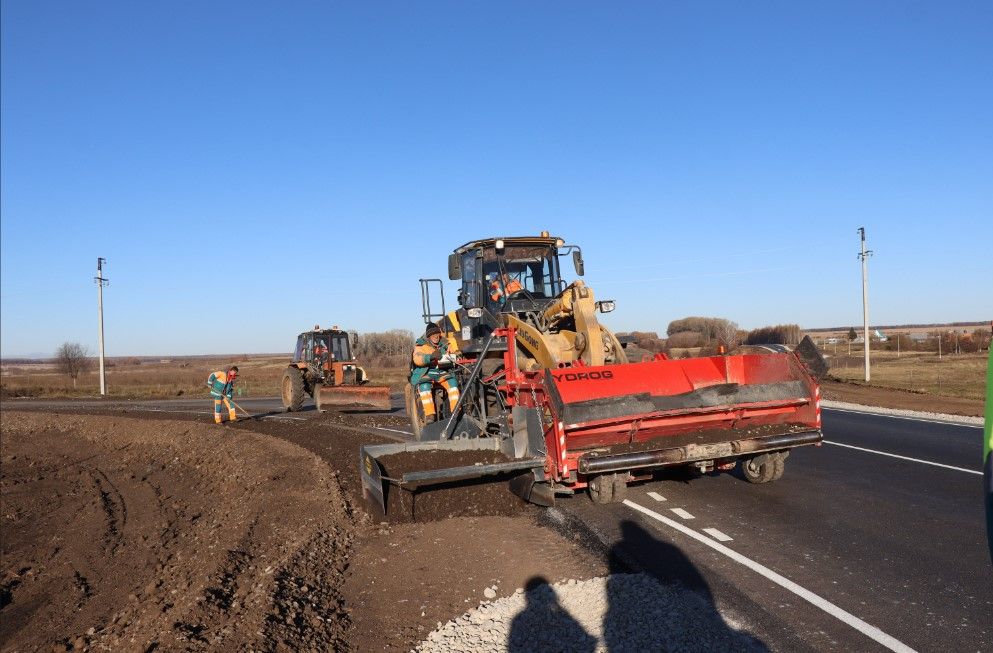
{"points": [[620, 612]]}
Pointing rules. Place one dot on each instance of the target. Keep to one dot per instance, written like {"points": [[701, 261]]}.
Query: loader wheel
{"points": [[601, 489], [292, 389], [413, 404], [762, 473]]}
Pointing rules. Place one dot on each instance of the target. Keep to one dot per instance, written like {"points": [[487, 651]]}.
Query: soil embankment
{"points": [[140, 535]]}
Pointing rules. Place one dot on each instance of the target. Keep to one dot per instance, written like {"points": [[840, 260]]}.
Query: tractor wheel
{"points": [[761, 473], [315, 392], [413, 403], [292, 389], [620, 488], [601, 489]]}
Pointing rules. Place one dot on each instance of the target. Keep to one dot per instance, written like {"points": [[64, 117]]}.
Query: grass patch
{"points": [[954, 375]]}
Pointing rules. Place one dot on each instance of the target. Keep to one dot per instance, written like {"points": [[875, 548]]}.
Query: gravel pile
{"points": [[622, 612], [897, 412]]}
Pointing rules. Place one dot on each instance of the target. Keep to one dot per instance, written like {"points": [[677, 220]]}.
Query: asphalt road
{"points": [[886, 544], [873, 541]]}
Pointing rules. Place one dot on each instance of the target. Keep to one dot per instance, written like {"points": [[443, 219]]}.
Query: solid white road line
{"points": [[947, 422], [682, 513], [866, 629], [893, 455], [717, 535], [656, 496]]}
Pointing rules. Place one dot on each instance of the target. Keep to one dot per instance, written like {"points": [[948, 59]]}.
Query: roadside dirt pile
{"points": [[621, 612], [123, 534]]}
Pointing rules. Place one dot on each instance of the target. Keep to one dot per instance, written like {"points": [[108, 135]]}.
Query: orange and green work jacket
{"points": [[425, 357], [219, 386], [496, 289]]}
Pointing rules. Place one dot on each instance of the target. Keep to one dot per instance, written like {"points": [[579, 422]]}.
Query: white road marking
{"points": [[682, 513], [865, 628], [717, 535], [656, 496], [893, 455], [946, 422], [383, 428]]}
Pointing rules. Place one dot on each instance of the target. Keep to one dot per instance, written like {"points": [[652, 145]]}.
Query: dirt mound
{"points": [[129, 534]]}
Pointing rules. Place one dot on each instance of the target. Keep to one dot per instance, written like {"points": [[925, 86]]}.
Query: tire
{"points": [[779, 466], [315, 392], [414, 410], [763, 473], [491, 396], [292, 389], [601, 489], [620, 488]]}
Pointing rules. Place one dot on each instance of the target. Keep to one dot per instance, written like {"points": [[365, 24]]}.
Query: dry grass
{"points": [[258, 376], [957, 375]]}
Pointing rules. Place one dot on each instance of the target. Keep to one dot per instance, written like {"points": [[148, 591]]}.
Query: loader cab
{"points": [[506, 276]]}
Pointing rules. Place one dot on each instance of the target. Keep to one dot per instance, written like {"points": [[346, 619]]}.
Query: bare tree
{"points": [[72, 359], [727, 333]]}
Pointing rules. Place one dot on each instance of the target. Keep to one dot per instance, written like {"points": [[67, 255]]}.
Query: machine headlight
{"points": [[606, 306], [475, 312]]}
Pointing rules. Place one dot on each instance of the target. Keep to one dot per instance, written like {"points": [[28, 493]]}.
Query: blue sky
{"points": [[250, 169]]}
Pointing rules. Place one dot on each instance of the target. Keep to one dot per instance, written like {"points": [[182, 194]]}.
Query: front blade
{"points": [[375, 396]]}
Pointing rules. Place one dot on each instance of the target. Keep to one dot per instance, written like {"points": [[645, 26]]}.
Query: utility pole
{"points": [[864, 257], [101, 282]]}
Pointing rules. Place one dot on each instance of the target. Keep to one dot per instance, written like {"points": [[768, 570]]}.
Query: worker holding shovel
{"points": [[221, 385]]}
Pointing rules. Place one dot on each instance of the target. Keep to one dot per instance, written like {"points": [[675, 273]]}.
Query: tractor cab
{"points": [[319, 345]]}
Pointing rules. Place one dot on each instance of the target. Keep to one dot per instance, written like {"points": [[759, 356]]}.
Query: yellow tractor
{"points": [[323, 368]]}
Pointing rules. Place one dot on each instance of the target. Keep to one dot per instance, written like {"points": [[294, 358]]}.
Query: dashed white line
{"points": [[656, 496], [717, 535], [682, 513], [866, 629], [893, 455]]}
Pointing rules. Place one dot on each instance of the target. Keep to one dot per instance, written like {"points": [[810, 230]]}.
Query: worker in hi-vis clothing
{"points": [[430, 364], [221, 385], [503, 286]]}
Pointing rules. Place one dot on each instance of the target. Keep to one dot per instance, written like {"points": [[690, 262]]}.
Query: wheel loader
{"points": [[548, 392], [324, 369]]}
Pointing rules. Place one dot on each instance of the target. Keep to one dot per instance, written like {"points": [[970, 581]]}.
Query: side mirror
{"points": [[577, 261], [355, 340], [454, 267]]}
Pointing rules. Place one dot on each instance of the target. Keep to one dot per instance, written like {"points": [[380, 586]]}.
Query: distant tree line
{"points": [[385, 349], [781, 334]]}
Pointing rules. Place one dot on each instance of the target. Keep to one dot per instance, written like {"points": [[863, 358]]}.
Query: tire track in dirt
{"points": [[166, 537]]}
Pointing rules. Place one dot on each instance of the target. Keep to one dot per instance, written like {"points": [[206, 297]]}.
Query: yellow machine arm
{"points": [[571, 332]]}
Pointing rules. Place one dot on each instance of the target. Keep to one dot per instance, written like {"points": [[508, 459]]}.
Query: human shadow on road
{"points": [[666, 607], [544, 625]]}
